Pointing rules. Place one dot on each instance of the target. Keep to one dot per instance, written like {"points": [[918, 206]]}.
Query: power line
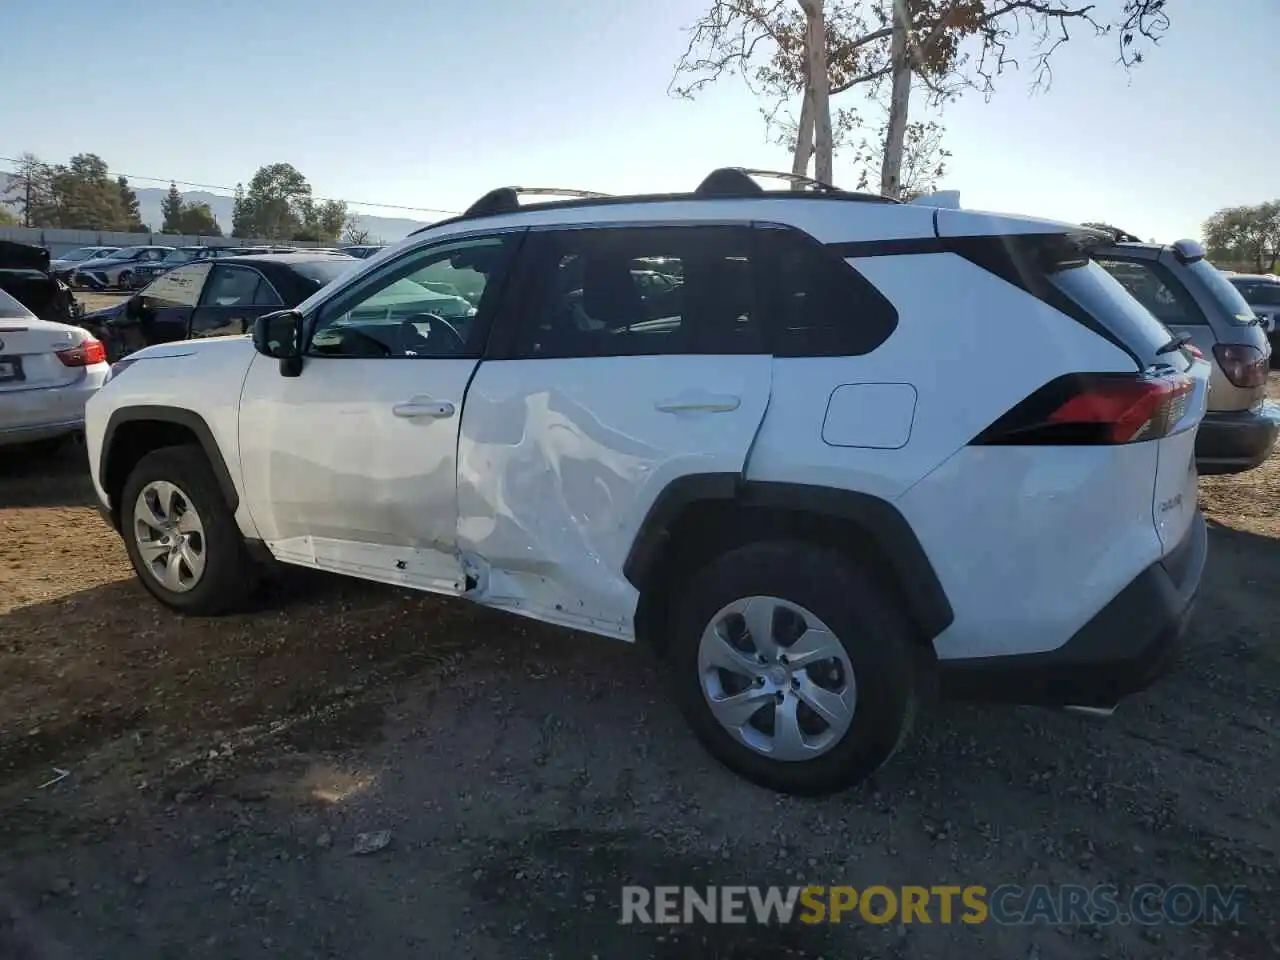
{"points": [[232, 190]]}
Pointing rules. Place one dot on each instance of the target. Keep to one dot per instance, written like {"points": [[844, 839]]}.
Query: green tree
{"points": [[171, 207], [241, 215], [1248, 234], [197, 219], [129, 205], [85, 196], [273, 203], [322, 220]]}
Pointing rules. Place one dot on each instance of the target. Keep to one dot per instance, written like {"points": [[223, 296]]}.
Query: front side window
{"points": [[641, 290], [1149, 284], [125, 253], [177, 288], [425, 304], [1259, 293]]}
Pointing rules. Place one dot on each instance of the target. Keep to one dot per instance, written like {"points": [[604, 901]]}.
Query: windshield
{"points": [[324, 271], [1224, 294], [179, 256], [128, 253]]}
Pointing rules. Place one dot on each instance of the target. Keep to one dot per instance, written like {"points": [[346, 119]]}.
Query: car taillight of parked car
{"points": [[84, 355], [1092, 409], [1245, 366]]}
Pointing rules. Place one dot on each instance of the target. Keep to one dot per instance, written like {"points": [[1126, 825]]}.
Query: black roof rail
{"points": [[507, 199], [1120, 236], [738, 182]]}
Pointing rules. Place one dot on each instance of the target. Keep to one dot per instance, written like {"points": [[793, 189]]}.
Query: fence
{"points": [[58, 242]]}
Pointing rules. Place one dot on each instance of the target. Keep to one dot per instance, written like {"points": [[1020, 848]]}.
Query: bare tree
{"points": [[946, 46]]}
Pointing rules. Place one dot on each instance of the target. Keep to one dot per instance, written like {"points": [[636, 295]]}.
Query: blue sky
{"points": [[431, 104]]}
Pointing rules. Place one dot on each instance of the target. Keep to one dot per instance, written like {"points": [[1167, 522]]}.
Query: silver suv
{"points": [[1195, 301], [1262, 292]]}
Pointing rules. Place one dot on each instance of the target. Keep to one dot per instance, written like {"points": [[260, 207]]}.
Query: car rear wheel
{"points": [[125, 280], [181, 537], [793, 667]]}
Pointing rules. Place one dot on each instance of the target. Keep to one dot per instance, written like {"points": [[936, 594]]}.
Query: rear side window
{"points": [[1106, 300], [1152, 286], [819, 306], [639, 291], [1223, 293]]}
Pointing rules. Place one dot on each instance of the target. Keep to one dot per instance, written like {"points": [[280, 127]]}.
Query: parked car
{"points": [[1196, 301], [1261, 291], [25, 276], [47, 372], [63, 266], [211, 297], [144, 273], [118, 269], [857, 444]]}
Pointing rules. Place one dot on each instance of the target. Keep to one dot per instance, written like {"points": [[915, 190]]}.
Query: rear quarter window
{"points": [[1105, 298]]}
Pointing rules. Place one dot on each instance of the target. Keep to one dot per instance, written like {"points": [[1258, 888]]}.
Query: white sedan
{"points": [[47, 372]]}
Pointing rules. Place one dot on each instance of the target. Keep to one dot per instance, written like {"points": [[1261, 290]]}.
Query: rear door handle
{"points": [[697, 401], [423, 407]]}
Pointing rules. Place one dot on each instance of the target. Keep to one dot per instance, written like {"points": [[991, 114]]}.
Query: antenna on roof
{"points": [[738, 182], [507, 199]]}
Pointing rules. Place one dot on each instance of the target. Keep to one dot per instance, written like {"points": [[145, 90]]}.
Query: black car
{"points": [[213, 297]]}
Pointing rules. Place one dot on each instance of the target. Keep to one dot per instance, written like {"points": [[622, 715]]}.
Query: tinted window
{"points": [[1259, 293], [426, 304], [1223, 293], [1105, 299], [177, 288], [643, 290], [1150, 284], [232, 287], [820, 306]]}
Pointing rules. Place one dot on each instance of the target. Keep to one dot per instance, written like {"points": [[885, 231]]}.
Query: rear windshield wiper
{"points": [[1177, 343]]}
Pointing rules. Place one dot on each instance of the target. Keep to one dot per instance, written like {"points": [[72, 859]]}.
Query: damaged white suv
{"points": [[818, 448]]}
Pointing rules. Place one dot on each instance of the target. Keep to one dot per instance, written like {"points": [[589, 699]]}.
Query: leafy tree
{"points": [[197, 219], [1246, 235], [241, 215], [884, 48], [273, 201], [85, 195], [129, 204], [171, 207], [323, 219]]}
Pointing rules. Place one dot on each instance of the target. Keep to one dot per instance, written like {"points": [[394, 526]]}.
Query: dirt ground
{"points": [[212, 776]]}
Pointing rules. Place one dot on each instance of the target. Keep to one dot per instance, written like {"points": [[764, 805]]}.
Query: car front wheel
{"points": [[793, 667], [181, 537]]}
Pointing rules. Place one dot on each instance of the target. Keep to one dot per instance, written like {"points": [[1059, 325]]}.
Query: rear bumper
{"points": [[1236, 441], [1128, 645], [40, 414]]}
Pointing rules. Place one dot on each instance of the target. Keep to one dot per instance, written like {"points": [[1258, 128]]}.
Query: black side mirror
{"points": [[279, 335]]}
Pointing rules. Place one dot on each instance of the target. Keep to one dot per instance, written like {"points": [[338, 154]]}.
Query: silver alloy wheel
{"points": [[169, 535], [776, 678]]}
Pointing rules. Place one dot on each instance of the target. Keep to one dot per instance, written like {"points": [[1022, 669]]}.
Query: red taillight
{"points": [[84, 355], [1243, 365], [1094, 409]]}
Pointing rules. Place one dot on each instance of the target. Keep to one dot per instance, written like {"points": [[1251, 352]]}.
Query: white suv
{"points": [[818, 448]]}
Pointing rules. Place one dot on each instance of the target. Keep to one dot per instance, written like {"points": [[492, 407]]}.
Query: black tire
{"points": [[869, 624], [125, 281], [230, 578]]}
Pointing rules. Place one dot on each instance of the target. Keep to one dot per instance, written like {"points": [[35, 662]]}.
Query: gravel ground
{"points": [[218, 773]]}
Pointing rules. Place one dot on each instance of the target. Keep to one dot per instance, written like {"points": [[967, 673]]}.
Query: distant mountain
{"points": [[381, 229]]}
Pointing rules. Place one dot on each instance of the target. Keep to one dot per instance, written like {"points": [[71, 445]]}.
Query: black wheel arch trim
{"points": [[182, 417], [916, 577]]}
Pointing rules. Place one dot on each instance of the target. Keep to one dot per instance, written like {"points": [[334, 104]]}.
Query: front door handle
{"points": [[423, 407], [699, 402]]}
